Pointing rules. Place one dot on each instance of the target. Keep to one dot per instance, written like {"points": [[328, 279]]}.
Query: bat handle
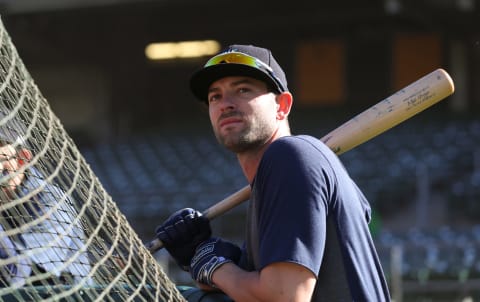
{"points": [[212, 212]]}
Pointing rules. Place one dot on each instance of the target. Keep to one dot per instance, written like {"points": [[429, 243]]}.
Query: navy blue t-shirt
{"points": [[306, 209]]}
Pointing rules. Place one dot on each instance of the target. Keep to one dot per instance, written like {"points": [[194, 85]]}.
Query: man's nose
{"points": [[227, 102]]}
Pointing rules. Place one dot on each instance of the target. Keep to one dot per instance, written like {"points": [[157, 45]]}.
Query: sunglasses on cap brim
{"points": [[243, 59]]}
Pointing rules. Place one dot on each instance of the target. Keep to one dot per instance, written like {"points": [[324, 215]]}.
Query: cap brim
{"points": [[202, 79]]}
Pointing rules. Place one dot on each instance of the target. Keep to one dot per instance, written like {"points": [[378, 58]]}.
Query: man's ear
{"points": [[24, 156], [284, 102]]}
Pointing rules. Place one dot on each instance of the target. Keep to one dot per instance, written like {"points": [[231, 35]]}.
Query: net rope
{"points": [[62, 237]]}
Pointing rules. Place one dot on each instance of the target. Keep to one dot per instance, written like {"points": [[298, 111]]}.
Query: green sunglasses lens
{"points": [[240, 58], [235, 58]]}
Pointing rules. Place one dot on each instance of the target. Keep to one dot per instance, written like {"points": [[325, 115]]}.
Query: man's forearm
{"points": [[278, 282], [238, 284]]}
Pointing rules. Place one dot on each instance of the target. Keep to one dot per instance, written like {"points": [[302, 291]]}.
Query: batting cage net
{"points": [[62, 238]]}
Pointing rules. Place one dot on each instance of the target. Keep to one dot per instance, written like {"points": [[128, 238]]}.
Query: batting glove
{"points": [[182, 232], [210, 255]]}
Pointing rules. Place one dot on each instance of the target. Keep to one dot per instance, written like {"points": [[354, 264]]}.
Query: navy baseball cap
{"points": [[239, 60]]}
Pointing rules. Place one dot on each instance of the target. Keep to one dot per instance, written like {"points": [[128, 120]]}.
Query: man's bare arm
{"points": [[282, 281]]}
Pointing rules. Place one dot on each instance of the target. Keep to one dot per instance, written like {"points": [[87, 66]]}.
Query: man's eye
{"points": [[213, 98]]}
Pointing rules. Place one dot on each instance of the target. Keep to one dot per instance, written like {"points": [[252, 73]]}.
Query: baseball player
{"points": [[37, 249], [307, 233]]}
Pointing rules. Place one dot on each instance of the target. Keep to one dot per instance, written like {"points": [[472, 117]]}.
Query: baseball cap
{"points": [[239, 60]]}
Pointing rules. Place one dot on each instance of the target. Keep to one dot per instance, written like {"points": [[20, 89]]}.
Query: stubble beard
{"points": [[253, 136]]}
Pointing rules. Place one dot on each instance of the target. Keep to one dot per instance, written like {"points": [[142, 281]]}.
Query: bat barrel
{"points": [[391, 111]]}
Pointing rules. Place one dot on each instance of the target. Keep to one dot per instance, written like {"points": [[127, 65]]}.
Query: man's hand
{"points": [[182, 232], [209, 256]]}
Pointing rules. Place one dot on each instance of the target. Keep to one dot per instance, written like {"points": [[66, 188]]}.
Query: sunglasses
{"points": [[243, 59]]}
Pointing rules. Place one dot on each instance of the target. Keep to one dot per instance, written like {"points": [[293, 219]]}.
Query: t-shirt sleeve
{"points": [[293, 186]]}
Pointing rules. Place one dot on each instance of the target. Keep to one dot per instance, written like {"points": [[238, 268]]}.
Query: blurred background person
{"points": [[37, 221]]}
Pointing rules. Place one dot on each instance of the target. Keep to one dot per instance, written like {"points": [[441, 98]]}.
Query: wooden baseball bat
{"points": [[377, 119]]}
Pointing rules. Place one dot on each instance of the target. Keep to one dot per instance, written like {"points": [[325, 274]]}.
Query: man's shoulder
{"points": [[299, 143]]}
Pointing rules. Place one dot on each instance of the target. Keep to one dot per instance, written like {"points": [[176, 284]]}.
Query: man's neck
{"points": [[250, 160]]}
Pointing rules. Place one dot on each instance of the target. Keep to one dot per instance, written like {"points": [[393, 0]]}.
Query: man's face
{"points": [[242, 112], [10, 161]]}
